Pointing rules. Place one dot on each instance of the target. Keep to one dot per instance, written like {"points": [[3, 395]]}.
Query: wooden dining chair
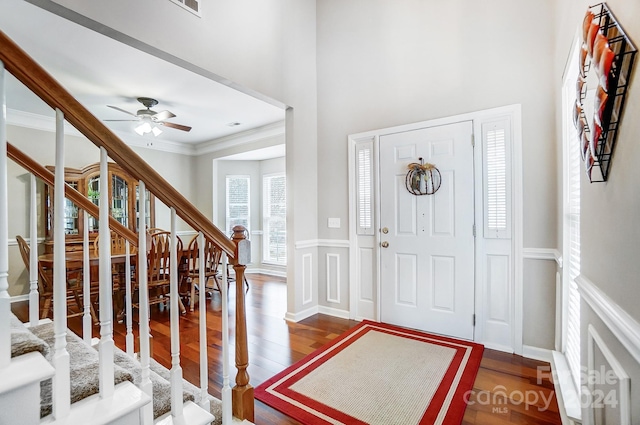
{"points": [[194, 263], [45, 285], [159, 268]]}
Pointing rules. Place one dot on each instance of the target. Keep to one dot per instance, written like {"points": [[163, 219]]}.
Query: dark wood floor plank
{"points": [[503, 382]]}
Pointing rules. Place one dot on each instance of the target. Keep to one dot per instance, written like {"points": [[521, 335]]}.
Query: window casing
{"points": [[274, 216], [238, 206]]}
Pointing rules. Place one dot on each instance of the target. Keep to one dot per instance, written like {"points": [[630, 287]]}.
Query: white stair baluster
{"points": [[226, 385], [106, 346], [128, 307], [61, 380], [176, 369], [146, 414], [86, 282], [205, 403], [34, 296], [5, 301]]}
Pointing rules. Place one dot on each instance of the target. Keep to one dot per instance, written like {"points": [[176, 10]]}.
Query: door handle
{"points": [[384, 244]]}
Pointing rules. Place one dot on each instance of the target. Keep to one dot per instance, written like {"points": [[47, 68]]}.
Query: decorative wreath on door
{"points": [[422, 179]]}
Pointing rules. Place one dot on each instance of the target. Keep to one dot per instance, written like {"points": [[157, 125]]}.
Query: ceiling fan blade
{"points": [[163, 115], [122, 110], [176, 126]]}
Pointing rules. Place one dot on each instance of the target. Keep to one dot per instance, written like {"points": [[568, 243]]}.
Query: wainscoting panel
{"points": [[307, 278], [608, 384], [333, 278]]}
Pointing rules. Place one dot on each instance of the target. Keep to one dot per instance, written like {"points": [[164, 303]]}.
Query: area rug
{"points": [[378, 374]]}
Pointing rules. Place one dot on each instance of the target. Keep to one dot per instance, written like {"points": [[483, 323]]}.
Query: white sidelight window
{"points": [[364, 187], [238, 191], [497, 179], [274, 215]]}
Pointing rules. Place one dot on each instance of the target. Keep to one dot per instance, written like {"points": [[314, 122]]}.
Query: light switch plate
{"points": [[333, 223]]}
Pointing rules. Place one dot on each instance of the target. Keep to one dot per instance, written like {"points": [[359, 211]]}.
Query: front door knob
{"points": [[384, 244]]}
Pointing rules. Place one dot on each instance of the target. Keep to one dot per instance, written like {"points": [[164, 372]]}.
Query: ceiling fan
{"points": [[149, 118]]}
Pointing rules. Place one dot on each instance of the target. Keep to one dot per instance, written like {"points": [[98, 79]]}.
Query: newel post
{"points": [[242, 393]]}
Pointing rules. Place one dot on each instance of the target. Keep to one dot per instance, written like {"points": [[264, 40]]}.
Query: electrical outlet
{"points": [[333, 223]]}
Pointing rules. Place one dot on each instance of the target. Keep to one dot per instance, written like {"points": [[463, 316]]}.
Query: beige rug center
{"points": [[380, 378]]}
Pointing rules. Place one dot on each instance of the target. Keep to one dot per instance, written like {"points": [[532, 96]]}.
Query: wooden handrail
{"points": [[34, 77], [76, 197]]}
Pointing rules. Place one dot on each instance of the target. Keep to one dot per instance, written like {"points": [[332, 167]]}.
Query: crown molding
{"points": [[275, 129], [46, 123]]}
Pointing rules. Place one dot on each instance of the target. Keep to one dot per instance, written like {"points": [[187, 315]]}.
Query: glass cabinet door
{"points": [[147, 220], [71, 214], [120, 200], [93, 193]]}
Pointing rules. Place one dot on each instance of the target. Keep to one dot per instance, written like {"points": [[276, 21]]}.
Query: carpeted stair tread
{"points": [[216, 404], [84, 366], [83, 362]]}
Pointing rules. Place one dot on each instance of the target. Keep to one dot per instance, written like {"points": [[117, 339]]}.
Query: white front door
{"points": [[427, 269]]}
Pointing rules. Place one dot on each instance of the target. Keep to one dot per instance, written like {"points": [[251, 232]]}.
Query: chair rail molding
{"points": [[323, 243], [621, 324], [551, 254]]}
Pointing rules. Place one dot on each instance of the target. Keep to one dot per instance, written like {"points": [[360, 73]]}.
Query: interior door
{"points": [[427, 254]]}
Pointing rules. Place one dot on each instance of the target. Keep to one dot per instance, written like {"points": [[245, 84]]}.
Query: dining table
{"points": [[74, 264]]}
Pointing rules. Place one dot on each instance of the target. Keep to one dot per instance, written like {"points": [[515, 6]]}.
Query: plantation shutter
{"points": [[275, 219], [574, 168], [238, 192], [364, 187], [496, 138]]}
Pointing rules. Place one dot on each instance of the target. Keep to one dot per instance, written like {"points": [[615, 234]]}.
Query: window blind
{"points": [[364, 166], [572, 221], [237, 195], [275, 219], [496, 167]]}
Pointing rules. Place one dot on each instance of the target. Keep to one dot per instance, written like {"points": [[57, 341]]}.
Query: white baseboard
{"points": [[301, 315], [335, 312], [268, 272], [535, 353]]}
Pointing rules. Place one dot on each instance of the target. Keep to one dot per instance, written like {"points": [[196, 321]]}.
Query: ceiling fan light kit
{"points": [[150, 119]]}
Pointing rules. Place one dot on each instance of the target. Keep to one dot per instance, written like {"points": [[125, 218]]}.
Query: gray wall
{"points": [[610, 230], [382, 64]]}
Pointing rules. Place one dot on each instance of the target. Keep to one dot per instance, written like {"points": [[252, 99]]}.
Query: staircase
{"points": [[130, 401]]}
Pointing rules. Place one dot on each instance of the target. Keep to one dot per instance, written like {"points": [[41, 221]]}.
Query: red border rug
{"points": [[446, 406]]}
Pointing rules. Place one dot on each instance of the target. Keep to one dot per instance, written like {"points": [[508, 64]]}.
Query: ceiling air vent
{"points": [[190, 5]]}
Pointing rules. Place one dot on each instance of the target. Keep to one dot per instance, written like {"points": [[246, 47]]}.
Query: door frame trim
{"points": [[514, 113]]}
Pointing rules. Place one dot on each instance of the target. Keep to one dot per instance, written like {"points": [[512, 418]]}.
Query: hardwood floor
{"points": [[507, 389]]}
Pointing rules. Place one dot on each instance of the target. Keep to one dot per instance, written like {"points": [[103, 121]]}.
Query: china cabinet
{"points": [[123, 203]]}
